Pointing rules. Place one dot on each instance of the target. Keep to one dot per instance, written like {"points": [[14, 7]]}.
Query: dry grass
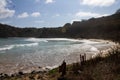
{"points": [[98, 68]]}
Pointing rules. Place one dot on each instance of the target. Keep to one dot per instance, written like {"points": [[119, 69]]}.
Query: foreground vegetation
{"points": [[98, 68]]}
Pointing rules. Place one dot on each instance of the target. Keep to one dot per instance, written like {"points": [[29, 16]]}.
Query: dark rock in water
{"points": [[39, 67], [5, 75], [1, 73], [12, 75], [33, 72], [21, 73]]}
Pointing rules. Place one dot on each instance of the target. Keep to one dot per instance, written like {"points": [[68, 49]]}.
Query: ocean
{"points": [[27, 54]]}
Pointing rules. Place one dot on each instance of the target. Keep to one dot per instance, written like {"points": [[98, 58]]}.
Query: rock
{"points": [[20, 73]]}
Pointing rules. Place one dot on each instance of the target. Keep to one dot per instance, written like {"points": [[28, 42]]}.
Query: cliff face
{"points": [[101, 28]]}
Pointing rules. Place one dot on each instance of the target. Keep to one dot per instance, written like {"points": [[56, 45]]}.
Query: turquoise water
{"points": [[26, 54]]}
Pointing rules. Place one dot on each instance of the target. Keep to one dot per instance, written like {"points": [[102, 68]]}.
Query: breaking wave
{"points": [[29, 45], [8, 47], [50, 39], [36, 40]]}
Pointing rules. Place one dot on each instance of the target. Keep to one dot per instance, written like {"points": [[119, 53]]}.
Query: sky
{"points": [[53, 13]]}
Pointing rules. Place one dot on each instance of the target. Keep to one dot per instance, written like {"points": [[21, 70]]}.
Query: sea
{"points": [[28, 54]]}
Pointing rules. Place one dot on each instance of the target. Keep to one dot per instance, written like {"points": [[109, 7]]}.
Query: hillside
{"points": [[101, 28]]}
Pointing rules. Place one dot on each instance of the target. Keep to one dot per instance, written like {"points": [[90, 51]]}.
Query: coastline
{"points": [[48, 68], [46, 74]]}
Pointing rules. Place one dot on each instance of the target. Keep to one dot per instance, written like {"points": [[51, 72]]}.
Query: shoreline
{"points": [[38, 74], [70, 58]]}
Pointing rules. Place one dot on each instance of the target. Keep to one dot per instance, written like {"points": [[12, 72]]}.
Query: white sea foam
{"points": [[52, 67], [30, 44], [94, 49], [49, 39], [89, 42], [36, 40], [8, 47], [64, 39]]}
